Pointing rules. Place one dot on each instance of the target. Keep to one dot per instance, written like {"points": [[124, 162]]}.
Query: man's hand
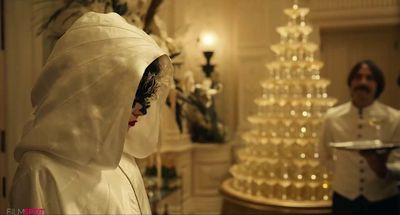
{"points": [[377, 160]]}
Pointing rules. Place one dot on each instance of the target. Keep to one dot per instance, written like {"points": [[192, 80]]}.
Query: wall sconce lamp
{"points": [[207, 43]]}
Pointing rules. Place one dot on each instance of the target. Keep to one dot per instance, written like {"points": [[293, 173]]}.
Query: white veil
{"points": [[142, 139], [83, 98]]}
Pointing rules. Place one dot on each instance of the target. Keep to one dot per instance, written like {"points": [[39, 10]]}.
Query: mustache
{"points": [[362, 88]]}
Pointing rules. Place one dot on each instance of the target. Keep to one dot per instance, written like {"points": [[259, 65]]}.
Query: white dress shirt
{"points": [[352, 176]]}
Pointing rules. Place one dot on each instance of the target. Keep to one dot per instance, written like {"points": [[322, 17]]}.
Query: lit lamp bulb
{"points": [[207, 43]]}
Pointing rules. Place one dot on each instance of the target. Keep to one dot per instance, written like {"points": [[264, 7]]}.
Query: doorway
{"points": [[342, 48]]}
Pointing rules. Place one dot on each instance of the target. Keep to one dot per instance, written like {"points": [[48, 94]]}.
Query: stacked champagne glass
{"points": [[278, 162]]}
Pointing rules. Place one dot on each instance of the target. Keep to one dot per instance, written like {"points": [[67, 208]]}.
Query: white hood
{"points": [[83, 98]]}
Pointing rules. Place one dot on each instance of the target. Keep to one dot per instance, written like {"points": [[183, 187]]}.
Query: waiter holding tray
{"points": [[358, 143]]}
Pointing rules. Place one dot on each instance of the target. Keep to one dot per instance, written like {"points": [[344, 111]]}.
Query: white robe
{"points": [[70, 152], [61, 187]]}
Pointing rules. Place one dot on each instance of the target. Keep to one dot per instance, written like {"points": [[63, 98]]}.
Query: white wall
{"points": [[208, 15], [23, 63], [245, 30]]}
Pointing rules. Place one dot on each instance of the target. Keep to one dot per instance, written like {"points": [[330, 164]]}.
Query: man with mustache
{"points": [[363, 183]]}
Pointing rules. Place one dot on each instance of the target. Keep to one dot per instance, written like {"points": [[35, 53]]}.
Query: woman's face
{"points": [[135, 114], [146, 91]]}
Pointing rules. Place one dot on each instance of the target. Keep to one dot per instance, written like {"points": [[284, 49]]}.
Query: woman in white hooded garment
{"points": [[77, 153]]}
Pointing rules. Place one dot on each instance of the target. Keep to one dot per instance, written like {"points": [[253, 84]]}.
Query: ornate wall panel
{"points": [[210, 167], [255, 25], [216, 16], [23, 61], [250, 24]]}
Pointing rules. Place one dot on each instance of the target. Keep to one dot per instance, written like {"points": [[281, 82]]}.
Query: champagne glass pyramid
{"points": [[278, 161]]}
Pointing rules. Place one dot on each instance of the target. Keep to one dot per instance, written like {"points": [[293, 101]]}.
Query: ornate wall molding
{"points": [[350, 13], [318, 5]]}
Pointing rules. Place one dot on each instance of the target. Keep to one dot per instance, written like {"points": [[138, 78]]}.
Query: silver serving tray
{"points": [[365, 145]]}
